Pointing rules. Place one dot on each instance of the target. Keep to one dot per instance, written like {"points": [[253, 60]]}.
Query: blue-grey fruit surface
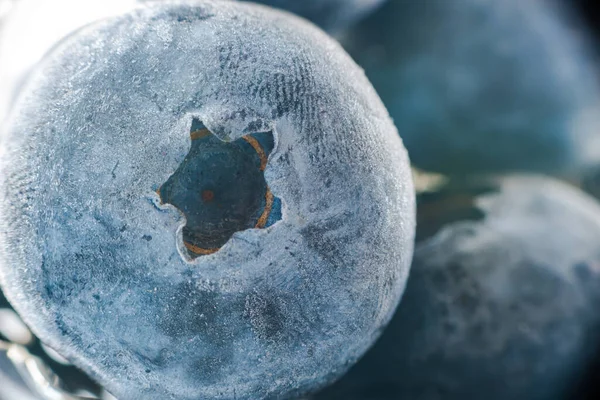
{"points": [[114, 152]]}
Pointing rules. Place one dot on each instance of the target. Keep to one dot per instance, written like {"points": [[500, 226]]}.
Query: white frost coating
{"points": [[516, 211], [91, 261], [334, 16], [519, 288]]}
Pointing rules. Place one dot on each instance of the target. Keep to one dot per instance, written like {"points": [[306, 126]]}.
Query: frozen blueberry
{"points": [[485, 85], [204, 200], [502, 301], [331, 15]]}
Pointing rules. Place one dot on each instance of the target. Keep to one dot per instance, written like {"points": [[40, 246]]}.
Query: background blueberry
{"points": [[93, 248], [331, 15], [501, 302], [485, 85]]}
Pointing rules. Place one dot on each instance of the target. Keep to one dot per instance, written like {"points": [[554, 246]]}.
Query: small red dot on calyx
{"points": [[208, 196]]}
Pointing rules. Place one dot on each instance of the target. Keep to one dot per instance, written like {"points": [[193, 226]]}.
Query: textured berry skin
{"points": [[485, 85], [95, 261], [501, 304]]}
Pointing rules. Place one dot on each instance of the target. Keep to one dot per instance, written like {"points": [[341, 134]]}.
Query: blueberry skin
{"points": [[96, 264], [501, 304], [331, 15], [484, 85]]}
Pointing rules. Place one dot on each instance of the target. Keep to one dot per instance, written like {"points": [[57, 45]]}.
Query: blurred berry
{"points": [[479, 86], [501, 303]]}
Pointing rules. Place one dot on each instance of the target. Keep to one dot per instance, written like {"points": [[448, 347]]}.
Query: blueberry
{"points": [[204, 200], [485, 85], [331, 15], [501, 302]]}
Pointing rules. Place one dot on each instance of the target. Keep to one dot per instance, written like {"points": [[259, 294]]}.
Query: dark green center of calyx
{"points": [[221, 189]]}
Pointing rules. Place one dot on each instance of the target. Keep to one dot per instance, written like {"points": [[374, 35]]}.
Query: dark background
{"points": [[590, 13]]}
